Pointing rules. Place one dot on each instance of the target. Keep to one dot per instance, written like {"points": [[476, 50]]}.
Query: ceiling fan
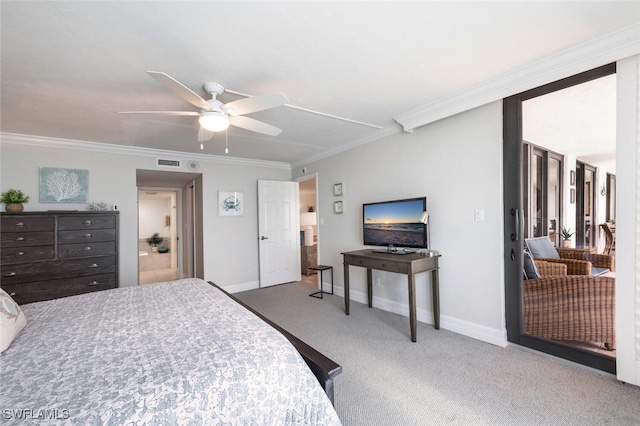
{"points": [[216, 116]]}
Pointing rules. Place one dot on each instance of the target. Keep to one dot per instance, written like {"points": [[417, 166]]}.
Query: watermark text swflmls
{"points": [[40, 414]]}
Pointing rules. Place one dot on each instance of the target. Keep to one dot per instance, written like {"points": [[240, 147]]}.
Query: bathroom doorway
{"points": [[157, 235], [178, 220]]}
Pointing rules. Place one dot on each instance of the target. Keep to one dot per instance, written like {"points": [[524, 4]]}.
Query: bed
{"points": [[178, 352]]}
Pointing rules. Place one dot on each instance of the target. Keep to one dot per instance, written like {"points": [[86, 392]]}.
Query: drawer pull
{"points": [[20, 253], [11, 274], [87, 222], [20, 239], [86, 236], [95, 265], [94, 283], [86, 248], [20, 224]]}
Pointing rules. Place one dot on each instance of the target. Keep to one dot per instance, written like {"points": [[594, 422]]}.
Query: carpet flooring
{"points": [[444, 378]]}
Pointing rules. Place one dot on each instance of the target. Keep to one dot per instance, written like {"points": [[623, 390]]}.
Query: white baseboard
{"points": [[469, 329], [237, 288]]}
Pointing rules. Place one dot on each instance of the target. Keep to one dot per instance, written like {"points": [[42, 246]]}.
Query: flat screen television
{"points": [[395, 223]]}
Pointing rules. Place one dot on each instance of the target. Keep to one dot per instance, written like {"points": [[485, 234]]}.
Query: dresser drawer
{"points": [[67, 251], [86, 236], [48, 270], [26, 224], [10, 255], [26, 239], [86, 222], [52, 289]]}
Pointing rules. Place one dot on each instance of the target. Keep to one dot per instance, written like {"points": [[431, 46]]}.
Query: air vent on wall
{"points": [[167, 163]]}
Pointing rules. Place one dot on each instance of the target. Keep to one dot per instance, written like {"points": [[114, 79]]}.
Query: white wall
{"points": [[152, 215], [230, 243], [457, 164], [628, 221]]}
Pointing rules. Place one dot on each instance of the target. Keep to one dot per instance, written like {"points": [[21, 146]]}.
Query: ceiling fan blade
{"points": [[204, 134], [254, 104], [180, 89], [254, 125], [191, 113]]}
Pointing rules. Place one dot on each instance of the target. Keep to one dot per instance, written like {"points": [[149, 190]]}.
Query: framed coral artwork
{"points": [[63, 185]]}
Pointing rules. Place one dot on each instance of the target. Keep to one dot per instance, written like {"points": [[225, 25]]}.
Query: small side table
{"points": [[321, 269]]}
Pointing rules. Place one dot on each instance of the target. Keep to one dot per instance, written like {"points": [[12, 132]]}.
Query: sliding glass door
{"points": [[542, 192], [534, 205]]}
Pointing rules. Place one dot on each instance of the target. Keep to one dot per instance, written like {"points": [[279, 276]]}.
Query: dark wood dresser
{"points": [[46, 255]]}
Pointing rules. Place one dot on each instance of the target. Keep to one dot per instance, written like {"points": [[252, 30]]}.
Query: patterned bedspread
{"points": [[179, 352]]}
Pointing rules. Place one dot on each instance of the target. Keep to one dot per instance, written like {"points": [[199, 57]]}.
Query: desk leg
{"points": [[346, 289], [412, 307], [436, 298], [370, 287]]}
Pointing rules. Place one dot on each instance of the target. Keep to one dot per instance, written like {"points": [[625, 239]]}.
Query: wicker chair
{"points": [[610, 237], [578, 261], [569, 307]]}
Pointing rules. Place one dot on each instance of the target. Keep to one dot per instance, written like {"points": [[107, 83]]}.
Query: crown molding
{"points": [[47, 142], [386, 131], [600, 51]]}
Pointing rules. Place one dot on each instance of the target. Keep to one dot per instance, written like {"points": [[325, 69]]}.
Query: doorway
{"points": [[158, 247], [170, 204], [309, 226], [514, 184]]}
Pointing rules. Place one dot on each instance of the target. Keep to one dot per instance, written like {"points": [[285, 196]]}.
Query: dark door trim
{"points": [[513, 226]]}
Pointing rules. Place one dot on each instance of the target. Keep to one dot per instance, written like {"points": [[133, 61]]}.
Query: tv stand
{"points": [[410, 265]]}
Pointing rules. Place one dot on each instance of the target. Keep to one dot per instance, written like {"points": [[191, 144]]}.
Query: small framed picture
{"points": [[337, 207], [230, 203], [338, 189]]}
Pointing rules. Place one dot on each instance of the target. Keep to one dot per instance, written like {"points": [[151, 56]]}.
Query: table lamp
{"points": [[307, 220]]}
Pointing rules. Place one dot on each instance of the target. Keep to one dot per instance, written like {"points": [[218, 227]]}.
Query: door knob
{"points": [[264, 238]]}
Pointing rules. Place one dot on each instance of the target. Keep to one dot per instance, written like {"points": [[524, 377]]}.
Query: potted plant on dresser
{"points": [[13, 199]]}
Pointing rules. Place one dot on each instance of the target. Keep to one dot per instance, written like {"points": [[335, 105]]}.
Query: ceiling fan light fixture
{"points": [[214, 121]]}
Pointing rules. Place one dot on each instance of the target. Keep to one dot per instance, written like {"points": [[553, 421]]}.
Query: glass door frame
{"points": [[514, 226]]}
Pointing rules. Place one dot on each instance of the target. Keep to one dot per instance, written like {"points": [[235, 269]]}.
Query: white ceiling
{"points": [[69, 67], [580, 120]]}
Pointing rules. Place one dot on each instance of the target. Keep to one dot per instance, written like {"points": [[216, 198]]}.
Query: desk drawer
{"points": [[381, 264]]}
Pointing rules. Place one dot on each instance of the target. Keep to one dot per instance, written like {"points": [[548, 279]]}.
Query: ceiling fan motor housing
{"points": [[214, 89]]}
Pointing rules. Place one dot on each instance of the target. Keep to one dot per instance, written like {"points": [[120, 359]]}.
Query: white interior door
{"points": [[279, 232]]}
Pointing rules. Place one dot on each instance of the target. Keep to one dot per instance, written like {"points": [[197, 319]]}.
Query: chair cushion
{"points": [[595, 271], [530, 269], [541, 248]]}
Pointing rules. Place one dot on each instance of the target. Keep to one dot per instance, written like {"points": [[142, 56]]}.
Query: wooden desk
{"points": [[408, 264]]}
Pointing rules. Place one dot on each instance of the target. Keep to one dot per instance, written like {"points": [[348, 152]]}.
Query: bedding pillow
{"points": [[12, 320]]}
